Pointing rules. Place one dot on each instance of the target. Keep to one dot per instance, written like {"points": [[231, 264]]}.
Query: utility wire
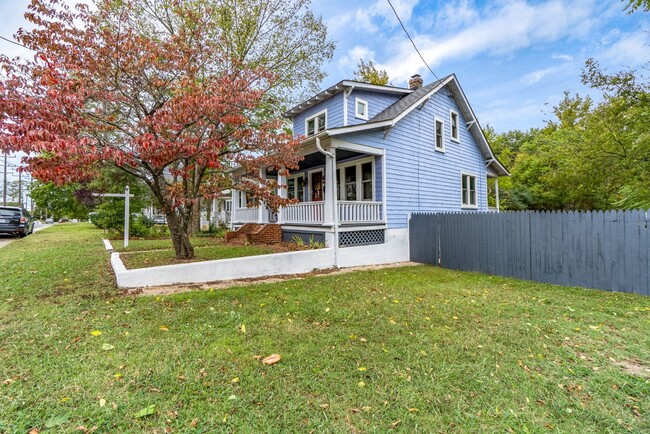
{"points": [[411, 39], [15, 43]]}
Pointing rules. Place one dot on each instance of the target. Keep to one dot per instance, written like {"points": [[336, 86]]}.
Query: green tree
{"points": [[58, 201], [283, 36], [633, 5], [368, 73]]}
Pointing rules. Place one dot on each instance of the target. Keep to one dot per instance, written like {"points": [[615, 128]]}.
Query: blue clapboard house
{"points": [[373, 155]]}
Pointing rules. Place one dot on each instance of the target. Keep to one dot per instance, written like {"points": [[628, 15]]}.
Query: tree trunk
{"points": [[177, 228]]}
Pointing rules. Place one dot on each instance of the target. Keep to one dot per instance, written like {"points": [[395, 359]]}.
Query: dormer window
{"points": [[316, 123], [361, 108]]}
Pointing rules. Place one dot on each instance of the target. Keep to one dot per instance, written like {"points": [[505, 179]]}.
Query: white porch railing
{"points": [[305, 212], [246, 215], [359, 212], [314, 213]]}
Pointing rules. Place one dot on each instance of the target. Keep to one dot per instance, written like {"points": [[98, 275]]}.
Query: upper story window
{"points": [[439, 134], [316, 123], [361, 108], [453, 119], [468, 191]]}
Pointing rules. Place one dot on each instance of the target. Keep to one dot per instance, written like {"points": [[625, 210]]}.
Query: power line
{"points": [[411, 39], [15, 43]]}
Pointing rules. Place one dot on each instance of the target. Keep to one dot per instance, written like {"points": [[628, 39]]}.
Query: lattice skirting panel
{"points": [[306, 237], [361, 238]]}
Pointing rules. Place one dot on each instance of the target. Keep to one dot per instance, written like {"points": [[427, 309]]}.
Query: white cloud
{"points": [[565, 57], [535, 76], [351, 59], [456, 14], [630, 49], [508, 28]]}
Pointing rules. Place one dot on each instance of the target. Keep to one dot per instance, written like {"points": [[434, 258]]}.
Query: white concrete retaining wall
{"points": [[395, 249]]}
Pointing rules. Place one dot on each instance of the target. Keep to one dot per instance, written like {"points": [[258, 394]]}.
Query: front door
{"points": [[317, 186]]}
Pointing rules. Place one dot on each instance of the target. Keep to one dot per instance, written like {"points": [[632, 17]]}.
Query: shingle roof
{"points": [[405, 102]]}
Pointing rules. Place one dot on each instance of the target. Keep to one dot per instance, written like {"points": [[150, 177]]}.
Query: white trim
{"points": [[364, 149], [341, 86], [360, 127], [462, 176], [384, 199], [346, 94], [358, 163], [358, 101], [437, 120], [295, 177], [316, 124], [453, 113]]}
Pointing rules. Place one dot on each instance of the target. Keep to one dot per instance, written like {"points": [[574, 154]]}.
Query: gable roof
{"points": [[396, 111], [340, 87]]}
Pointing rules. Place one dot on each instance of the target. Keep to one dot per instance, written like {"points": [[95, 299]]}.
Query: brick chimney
{"points": [[415, 81]]}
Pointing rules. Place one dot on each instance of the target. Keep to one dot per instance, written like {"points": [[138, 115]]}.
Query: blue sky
{"points": [[513, 58]]}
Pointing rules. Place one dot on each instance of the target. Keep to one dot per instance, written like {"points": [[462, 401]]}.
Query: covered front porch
{"points": [[338, 184]]}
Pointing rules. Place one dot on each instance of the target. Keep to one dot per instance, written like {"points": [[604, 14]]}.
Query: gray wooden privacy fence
{"points": [[607, 250]]}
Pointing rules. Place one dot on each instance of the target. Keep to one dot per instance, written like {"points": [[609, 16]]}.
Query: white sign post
{"points": [[127, 213]]}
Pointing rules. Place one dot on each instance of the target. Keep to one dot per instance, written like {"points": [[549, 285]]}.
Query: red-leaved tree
{"points": [[147, 90]]}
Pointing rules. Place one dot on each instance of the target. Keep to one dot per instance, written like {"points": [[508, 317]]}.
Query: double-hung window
{"points": [[468, 191], [439, 135], [453, 119], [358, 181], [316, 123]]}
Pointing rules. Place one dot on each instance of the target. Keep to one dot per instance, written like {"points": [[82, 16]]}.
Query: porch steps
{"points": [[257, 234]]}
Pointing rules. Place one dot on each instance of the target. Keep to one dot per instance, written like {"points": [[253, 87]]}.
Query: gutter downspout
{"points": [[334, 204]]}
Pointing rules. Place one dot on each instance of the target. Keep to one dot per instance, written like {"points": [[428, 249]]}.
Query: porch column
{"points": [[384, 212], [234, 203], [330, 189], [282, 192], [261, 208]]}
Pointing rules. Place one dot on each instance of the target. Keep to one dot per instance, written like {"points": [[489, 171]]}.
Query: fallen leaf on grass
{"points": [[394, 424], [102, 402], [107, 347], [34, 431], [243, 328], [57, 420], [147, 411], [164, 328], [272, 359], [95, 332], [194, 422], [235, 380]]}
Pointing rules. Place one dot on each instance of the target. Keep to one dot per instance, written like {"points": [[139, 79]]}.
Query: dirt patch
{"points": [[176, 289], [634, 367]]}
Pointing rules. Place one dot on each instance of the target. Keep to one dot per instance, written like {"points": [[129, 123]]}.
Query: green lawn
{"points": [[415, 349], [151, 253]]}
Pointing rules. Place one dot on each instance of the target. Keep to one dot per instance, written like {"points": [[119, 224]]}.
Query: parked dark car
{"points": [[16, 221]]}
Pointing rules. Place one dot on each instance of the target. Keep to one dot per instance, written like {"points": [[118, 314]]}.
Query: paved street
{"points": [[6, 239]]}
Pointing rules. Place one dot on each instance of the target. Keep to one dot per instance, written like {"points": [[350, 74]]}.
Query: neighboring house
{"points": [[373, 155]]}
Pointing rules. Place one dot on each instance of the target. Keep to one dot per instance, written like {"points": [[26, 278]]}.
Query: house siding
{"points": [[377, 102], [334, 106], [419, 178]]}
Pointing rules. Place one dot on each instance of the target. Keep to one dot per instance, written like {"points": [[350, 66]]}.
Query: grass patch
{"points": [[151, 253], [413, 348]]}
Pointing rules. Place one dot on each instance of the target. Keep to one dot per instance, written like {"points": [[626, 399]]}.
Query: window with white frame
{"points": [[453, 119], [316, 123], [358, 181], [468, 188], [439, 134], [296, 188], [361, 108]]}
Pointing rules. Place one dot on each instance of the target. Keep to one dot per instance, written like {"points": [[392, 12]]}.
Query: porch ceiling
{"points": [[317, 159]]}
